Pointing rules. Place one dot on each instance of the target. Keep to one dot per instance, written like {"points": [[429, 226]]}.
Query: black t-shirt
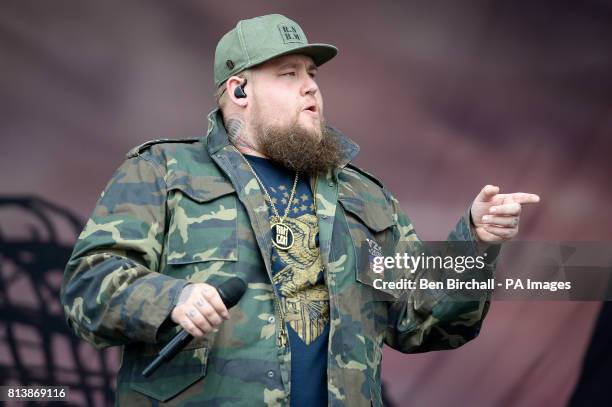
{"points": [[299, 279]]}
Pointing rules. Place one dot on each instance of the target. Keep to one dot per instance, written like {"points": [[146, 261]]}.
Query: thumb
{"points": [[487, 193]]}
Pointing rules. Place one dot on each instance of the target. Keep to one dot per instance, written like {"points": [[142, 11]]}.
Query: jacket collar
{"points": [[217, 138]]}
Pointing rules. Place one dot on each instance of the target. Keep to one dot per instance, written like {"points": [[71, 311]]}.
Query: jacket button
{"points": [[271, 320], [271, 374], [331, 184]]}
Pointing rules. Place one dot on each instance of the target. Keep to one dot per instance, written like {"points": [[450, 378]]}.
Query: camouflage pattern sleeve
{"points": [[112, 292], [428, 320]]}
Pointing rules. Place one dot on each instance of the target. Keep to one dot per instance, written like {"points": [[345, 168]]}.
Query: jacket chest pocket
{"points": [[202, 236], [371, 226], [203, 221]]}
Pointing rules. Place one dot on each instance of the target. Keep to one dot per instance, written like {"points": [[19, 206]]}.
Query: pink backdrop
{"points": [[442, 97]]}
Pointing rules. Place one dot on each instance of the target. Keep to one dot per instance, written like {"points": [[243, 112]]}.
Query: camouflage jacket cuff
{"points": [[166, 328]]}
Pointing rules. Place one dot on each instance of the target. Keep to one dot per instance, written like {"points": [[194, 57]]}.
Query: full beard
{"points": [[312, 151]]}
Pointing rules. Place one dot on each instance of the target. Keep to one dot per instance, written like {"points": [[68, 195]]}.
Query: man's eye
{"points": [[289, 74]]}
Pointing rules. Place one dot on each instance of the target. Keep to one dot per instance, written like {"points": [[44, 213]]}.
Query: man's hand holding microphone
{"points": [[199, 309]]}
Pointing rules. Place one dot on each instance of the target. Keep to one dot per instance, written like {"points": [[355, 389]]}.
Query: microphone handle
{"points": [[173, 347]]}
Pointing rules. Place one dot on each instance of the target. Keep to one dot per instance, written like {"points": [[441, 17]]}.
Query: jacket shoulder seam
{"points": [[156, 167], [136, 151]]}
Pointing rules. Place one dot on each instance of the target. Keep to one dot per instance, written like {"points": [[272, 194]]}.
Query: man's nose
{"points": [[309, 86]]}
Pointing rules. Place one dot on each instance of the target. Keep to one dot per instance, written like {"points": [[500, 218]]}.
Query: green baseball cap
{"points": [[260, 39]]}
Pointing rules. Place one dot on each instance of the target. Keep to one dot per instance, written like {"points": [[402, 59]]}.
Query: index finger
{"points": [[524, 198], [213, 297]]}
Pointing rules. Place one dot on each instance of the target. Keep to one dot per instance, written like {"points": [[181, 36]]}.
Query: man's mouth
{"points": [[311, 109]]}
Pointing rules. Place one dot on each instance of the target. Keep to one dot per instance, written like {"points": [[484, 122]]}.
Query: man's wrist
{"points": [[167, 328], [487, 249]]}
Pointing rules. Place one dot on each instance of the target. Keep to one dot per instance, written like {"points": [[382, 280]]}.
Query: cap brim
{"points": [[320, 54]]}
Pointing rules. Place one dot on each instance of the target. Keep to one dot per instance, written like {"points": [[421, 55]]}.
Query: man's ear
{"points": [[230, 87]]}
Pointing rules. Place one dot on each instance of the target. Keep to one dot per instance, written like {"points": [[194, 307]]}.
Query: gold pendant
{"points": [[282, 235]]}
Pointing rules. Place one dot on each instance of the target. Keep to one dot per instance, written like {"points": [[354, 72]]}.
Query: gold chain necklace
{"points": [[282, 234]]}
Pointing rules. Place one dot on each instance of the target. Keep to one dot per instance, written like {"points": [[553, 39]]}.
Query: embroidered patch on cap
{"points": [[290, 34]]}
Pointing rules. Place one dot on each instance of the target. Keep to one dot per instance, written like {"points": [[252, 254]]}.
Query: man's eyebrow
{"points": [[294, 65], [287, 65]]}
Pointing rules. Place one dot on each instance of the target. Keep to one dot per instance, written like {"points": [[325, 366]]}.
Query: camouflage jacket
{"points": [[179, 211]]}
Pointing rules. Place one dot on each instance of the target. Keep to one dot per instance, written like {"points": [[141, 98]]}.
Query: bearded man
{"points": [[269, 195]]}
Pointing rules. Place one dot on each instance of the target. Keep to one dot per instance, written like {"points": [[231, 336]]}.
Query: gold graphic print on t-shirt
{"points": [[306, 302]]}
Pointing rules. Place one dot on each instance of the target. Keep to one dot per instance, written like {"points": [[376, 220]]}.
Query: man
{"points": [[270, 196]]}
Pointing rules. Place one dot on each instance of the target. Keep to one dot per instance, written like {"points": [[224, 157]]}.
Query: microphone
{"points": [[230, 292]]}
